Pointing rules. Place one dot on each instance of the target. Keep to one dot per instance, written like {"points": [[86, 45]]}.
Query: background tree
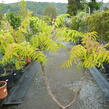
{"points": [[73, 6], [94, 5], [50, 11], [1, 6], [36, 7]]}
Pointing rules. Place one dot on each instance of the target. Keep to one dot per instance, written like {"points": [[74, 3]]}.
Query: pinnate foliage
{"points": [[37, 25], [43, 41], [20, 52], [60, 20], [67, 34], [14, 20], [16, 45], [5, 40], [90, 54]]}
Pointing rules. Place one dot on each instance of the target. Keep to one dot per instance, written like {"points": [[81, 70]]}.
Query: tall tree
{"points": [[94, 5], [93, 0], [50, 11], [73, 6]]}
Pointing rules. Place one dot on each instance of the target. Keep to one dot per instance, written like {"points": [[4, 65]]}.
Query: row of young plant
{"points": [[23, 39], [95, 22]]}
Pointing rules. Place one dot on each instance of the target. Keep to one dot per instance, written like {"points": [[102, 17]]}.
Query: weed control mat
{"points": [[101, 81], [19, 92]]}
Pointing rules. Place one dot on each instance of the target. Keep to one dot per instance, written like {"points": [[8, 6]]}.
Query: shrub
{"points": [[89, 54], [1, 17], [47, 19], [99, 22], [61, 20], [78, 22], [14, 20], [94, 6]]}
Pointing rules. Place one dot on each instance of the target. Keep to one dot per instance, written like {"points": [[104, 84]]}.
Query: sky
{"points": [[63, 1]]}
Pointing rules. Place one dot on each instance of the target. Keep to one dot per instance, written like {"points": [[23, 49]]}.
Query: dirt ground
{"points": [[63, 82]]}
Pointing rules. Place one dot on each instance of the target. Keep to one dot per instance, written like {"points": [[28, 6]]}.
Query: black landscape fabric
{"points": [[19, 92]]}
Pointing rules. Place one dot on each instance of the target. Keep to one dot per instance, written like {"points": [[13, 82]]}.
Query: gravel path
{"points": [[63, 82]]}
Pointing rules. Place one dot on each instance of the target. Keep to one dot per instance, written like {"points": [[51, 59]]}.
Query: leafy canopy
{"points": [[90, 54], [16, 44], [20, 52]]}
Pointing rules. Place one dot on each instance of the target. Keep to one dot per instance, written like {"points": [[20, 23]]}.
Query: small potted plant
{"points": [[28, 60], [3, 90], [7, 74]]}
